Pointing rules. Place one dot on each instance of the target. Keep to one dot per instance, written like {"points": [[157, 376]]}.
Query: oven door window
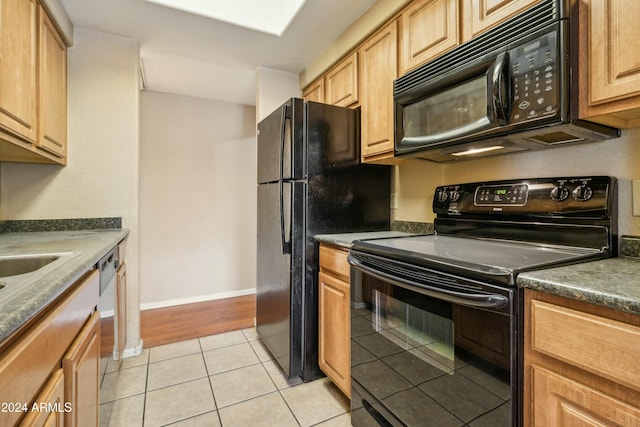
{"points": [[426, 335], [416, 358]]}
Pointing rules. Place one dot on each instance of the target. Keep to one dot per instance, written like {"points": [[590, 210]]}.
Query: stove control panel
{"points": [[500, 195], [537, 196]]}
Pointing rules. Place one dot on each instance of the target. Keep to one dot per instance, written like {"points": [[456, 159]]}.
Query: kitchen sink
{"points": [[16, 265]]}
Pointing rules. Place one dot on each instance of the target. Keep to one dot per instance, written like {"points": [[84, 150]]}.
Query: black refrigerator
{"points": [[310, 181]]}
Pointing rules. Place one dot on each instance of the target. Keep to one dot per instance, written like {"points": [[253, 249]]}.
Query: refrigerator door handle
{"points": [[286, 245]]}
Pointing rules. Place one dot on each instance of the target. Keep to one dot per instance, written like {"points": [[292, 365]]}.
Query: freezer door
{"points": [[280, 150], [333, 137], [279, 274]]}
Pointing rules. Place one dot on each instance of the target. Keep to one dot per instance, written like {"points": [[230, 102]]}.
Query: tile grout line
{"points": [[213, 394], [274, 383], [146, 383], [254, 350]]}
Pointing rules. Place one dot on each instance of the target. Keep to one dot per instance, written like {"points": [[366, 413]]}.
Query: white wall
{"points": [[273, 88], [197, 199], [101, 177], [618, 157], [366, 24]]}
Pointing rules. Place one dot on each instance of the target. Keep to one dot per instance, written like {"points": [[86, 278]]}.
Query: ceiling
{"points": [[192, 55]]}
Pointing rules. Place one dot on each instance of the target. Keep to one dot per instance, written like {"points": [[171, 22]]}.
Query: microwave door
{"points": [[479, 103]]}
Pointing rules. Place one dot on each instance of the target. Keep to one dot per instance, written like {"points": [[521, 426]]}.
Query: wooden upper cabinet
{"points": [[33, 85], [429, 28], [480, 15], [379, 70], [315, 91], [18, 72], [609, 62], [341, 82], [52, 105]]}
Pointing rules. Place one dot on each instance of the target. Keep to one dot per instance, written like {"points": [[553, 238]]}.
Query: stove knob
{"points": [[454, 196], [559, 194], [442, 196], [582, 193]]}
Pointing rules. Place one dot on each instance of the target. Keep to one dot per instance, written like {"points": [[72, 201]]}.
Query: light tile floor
{"points": [[222, 380]]}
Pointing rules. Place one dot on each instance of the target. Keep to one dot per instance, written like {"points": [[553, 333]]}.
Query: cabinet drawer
{"points": [[333, 261], [603, 346]]}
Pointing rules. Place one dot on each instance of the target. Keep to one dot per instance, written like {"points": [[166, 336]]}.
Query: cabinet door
{"points": [[341, 82], [52, 105], [120, 318], [315, 91], [379, 70], [608, 41], [560, 401], [50, 403], [334, 330], [580, 363], [480, 15], [18, 73], [81, 366], [429, 28]]}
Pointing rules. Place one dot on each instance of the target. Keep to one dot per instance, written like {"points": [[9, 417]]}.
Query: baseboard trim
{"points": [[130, 352], [176, 323], [193, 300]]}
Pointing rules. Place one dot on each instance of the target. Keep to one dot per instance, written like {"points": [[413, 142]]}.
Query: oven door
{"points": [[430, 349]]}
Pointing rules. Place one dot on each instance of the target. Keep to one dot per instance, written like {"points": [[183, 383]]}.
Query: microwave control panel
{"points": [[535, 79]]}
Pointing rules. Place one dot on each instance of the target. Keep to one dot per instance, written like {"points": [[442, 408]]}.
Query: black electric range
{"points": [[455, 291]]}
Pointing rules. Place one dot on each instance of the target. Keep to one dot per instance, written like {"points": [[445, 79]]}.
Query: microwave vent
{"points": [[554, 138], [533, 19]]}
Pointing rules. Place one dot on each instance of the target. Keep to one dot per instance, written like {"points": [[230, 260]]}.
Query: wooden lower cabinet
{"points": [[334, 317], [48, 409], [581, 364], [562, 401], [55, 361], [81, 367]]}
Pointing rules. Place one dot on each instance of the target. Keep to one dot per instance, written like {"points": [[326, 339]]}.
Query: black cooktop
{"points": [[494, 230], [493, 260]]}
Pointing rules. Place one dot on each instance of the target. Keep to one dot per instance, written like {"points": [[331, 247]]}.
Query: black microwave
{"points": [[509, 89]]}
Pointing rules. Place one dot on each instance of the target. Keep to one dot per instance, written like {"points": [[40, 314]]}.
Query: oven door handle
{"points": [[469, 299]]}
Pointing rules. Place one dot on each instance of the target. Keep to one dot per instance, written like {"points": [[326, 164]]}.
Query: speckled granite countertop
{"points": [[345, 240], [24, 296], [612, 283]]}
